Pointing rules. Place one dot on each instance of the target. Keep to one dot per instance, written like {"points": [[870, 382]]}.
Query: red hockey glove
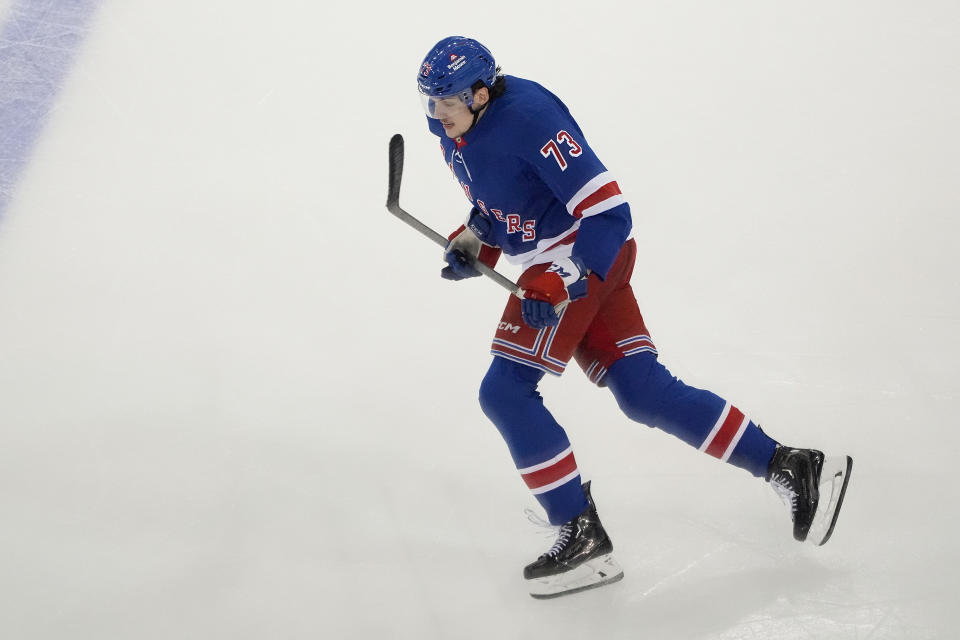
{"points": [[565, 280]]}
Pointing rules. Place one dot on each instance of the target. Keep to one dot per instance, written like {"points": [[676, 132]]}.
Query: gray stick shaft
{"points": [[395, 160], [494, 275]]}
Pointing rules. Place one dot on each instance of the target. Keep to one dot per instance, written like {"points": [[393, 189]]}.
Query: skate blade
{"points": [[833, 486], [589, 575]]}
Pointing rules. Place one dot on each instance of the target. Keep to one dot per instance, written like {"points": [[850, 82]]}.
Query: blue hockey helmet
{"points": [[452, 67]]}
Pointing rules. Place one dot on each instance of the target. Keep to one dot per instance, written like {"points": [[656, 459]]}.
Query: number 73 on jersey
{"points": [[552, 148]]}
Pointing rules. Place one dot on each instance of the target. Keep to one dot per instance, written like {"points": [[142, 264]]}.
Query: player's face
{"points": [[453, 114]]}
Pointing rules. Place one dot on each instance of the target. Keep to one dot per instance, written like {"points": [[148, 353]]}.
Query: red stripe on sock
{"points": [[726, 433], [554, 472]]}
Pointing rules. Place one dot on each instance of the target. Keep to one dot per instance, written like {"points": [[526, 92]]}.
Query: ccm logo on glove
{"points": [[564, 280]]}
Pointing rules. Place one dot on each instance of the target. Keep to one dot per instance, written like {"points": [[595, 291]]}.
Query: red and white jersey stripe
{"points": [[600, 194], [552, 473], [726, 433]]}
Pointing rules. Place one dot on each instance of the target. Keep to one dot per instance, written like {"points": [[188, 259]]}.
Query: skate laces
{"points": [[535, 519], [782, 486], [563, 532], [566, 530]]}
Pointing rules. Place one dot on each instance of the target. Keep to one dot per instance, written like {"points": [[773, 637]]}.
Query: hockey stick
{"points": [[393, 205]]}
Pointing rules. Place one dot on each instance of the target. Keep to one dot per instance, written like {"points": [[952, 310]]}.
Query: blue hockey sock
{"points": [[648, 393], [539, 446]]}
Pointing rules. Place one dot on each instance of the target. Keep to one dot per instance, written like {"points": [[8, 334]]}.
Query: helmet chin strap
{"points": [[476, 116]]}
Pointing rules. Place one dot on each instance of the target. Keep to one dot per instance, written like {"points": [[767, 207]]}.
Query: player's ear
{"points": [[482, 96]]}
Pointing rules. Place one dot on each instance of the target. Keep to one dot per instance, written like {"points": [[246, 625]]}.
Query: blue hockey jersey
{"points": [[527, 166]]}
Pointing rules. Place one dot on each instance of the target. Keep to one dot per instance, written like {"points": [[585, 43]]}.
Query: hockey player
{"points": [[541, 196]]}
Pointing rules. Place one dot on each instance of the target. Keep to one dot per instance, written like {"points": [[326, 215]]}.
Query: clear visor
{"points": [[447, 107]]}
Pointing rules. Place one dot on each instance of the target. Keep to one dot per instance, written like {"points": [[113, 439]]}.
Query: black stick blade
{"points": [[395, 159]]}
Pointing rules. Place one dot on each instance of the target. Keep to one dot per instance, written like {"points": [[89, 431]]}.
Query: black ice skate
{"points": [[813, 485], [582, 558]]}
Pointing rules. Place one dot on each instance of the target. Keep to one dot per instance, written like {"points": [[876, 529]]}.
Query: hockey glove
{"points": [[466, 245], [481, 226], [564, 281]]}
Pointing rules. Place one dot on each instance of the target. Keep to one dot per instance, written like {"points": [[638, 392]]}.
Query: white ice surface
{"points": [[236, 400]]}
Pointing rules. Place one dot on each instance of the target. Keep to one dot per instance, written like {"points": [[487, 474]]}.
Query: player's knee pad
{"points": [[505, 389], [641, 385]]}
